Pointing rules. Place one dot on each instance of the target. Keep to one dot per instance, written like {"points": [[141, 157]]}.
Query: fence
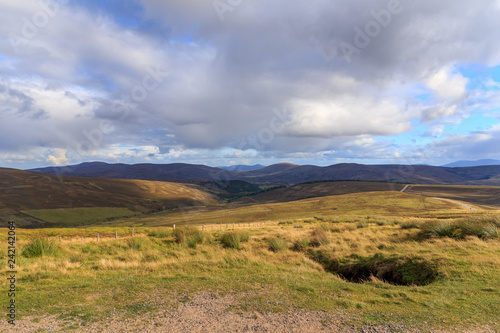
{"points": [[209, 227]]}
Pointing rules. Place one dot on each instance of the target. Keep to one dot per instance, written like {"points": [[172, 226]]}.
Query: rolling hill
{"points": [[287, 174], [22, 192], [317, 189]]}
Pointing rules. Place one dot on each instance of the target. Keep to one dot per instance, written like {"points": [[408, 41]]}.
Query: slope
{"points": [[22, 191]]}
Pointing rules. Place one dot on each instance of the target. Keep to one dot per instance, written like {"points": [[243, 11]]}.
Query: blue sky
{"points": [[223, 82]]}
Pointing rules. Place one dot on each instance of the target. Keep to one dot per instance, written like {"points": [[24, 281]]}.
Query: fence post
{"points": [[60, 239], [97, 237], [82, 239], [116, 234], [174, 226], [132, 231]]}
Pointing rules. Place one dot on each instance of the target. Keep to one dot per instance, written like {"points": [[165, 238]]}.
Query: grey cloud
{"points": [[225, 78]]}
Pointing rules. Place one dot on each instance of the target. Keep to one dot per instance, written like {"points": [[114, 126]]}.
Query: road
{"points": [[456, 202], [405, 188], [453, 201]]}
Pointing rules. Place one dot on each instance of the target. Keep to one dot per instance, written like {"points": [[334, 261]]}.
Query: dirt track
{"points": [[206, 313]]}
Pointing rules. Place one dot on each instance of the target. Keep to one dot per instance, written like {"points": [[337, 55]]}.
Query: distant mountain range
{"points": [[242, 167], [285, 173], [464, 164]]}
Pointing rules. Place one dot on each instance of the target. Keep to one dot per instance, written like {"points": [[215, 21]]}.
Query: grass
{"points": [[390, 206], [430, 279], [79, 216], [277, 245], [366, 259], [39, 247], [190, 236], [460, 229], [233, 239]]}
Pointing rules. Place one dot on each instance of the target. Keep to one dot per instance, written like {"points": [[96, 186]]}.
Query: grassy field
{"points": [[486, 196], [317, 189], [79, 216], [379, 257], [388, 204]]}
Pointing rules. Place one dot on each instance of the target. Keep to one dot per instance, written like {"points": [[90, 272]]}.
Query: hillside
{"points": [[287, 174], [22, 191], [319, 189]]}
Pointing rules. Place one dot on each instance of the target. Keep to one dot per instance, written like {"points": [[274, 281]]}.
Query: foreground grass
{"points": [[157, 269]]}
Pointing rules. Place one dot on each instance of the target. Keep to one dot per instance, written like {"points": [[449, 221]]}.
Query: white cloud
{"points": [[225, 77], [57, 157], [447, 85]]}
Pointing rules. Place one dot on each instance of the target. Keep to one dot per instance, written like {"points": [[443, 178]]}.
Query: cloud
{"points": [[173, 75], [57, 157], [447, 85]]}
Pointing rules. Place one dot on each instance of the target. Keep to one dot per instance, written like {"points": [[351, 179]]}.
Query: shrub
{"points": [[233, 239], [189, 236], [301, 245], [277, 244], [136, 243], [319, 237], [410, 225], [40, 247], [481, 228]]}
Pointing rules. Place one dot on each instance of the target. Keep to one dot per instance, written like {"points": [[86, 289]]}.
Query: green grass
{"points": [[442, 279], [381, 273], [277, 244], [79, 216], [39, 247], [233, 239], [390, 205], [190, 236], [482, 228]]}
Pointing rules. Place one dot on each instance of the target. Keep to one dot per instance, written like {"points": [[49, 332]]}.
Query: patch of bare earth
{"points": [[206, 313]]}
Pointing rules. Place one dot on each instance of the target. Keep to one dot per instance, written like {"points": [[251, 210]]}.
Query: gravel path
{"points": [[456, 202], [206, 313]]}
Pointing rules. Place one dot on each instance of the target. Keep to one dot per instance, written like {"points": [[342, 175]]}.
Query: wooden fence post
{"points": [[173, 226], [82, 239], [116, 234], [97, 237], [60, 239], [132, 231]]}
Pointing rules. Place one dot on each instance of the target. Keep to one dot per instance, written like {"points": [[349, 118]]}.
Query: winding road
{"points": [[450, 200]]}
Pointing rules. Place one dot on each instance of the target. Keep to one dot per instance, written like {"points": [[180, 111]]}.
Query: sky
{"points": [[226, 82]]}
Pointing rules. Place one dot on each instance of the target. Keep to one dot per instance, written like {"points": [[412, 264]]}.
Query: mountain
{"points": [[286, 173], [172, 171], [242, 167], [463, 164], [419, 174]]}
